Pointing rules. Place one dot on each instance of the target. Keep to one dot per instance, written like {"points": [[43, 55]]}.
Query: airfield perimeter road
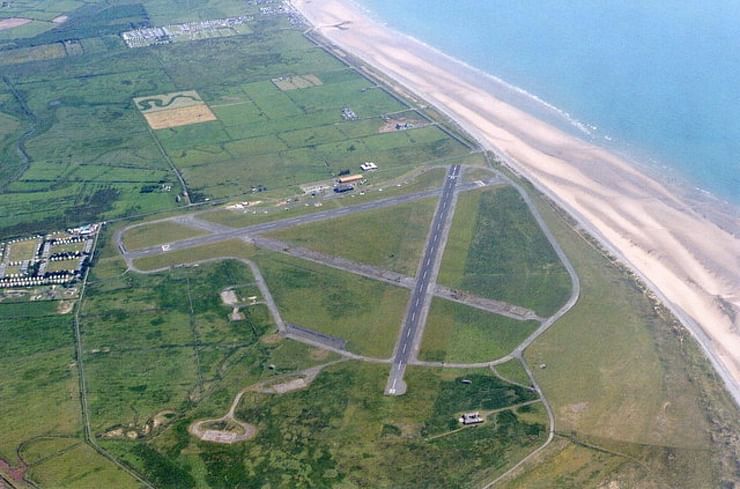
{"points": [[419, 302], [222, 235]]}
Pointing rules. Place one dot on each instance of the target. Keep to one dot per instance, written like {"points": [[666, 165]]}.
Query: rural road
{"points": [[420, 296]]}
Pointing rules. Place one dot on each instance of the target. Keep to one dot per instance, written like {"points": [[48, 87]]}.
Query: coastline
{"points": [[685, 258]]}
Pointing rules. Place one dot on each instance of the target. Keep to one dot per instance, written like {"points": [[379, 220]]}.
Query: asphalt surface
{"points": [[415, 312], [222, 235]]}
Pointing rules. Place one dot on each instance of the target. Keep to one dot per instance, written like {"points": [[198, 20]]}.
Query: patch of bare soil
{"points": [[572, 412], [13, 22], [133, 432], [272, 339], [65, 307], [182, 116], [319, 354], [60, 19], [229, 297], [236, 315], [235, 431], [401, 124], [15, 473]]}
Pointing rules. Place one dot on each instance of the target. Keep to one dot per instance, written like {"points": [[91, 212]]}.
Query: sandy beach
{"points": [[691, 264]]}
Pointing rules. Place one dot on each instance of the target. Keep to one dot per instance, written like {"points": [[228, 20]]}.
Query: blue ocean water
{"points": [[659, 79]]}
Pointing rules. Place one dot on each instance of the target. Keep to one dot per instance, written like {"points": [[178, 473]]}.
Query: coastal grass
{"points": [[158, 233], [366, 313], [461, 334], [390, 239], [497, 250], [645, 389]]}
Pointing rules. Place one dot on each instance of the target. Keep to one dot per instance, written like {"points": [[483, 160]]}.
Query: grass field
{"points": [[40, 408], [233, 248], [408, 183], [21, 250], [41, 395], [513, 371], [497, 250], [158, 233], [366, 313], [63, 265], [458, 333], [391, 239]]}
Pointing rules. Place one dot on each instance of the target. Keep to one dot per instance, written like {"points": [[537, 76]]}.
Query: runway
{"points": [[420, 296]]}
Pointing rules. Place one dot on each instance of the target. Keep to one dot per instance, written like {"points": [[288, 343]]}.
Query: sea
{"points": [[656, 80]]}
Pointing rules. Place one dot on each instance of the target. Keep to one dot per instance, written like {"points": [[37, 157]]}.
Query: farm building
{"points": [[350, 179], [368, 166], [343, 188]]}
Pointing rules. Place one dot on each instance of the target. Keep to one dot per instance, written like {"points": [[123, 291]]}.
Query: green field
{"points": [[390, 239], [366, 313], [78, 150], [177, 344], [21, 250], [232, 248], [513, 371], [158, 233], [63, 265], [497, 250], [40, 408], [460, 334], [38, 349]]}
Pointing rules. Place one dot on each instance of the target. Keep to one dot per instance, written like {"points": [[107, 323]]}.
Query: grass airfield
{"points": [[253, 117]]}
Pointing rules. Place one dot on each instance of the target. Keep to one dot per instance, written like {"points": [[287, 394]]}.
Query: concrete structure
{"points": [[471, 418]]}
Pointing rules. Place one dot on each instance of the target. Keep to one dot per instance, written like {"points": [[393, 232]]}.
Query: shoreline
{"points": [[719, 210], [685, 258]]}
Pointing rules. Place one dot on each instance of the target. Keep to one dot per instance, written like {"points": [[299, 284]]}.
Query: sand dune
{"points": [[692, 264]]}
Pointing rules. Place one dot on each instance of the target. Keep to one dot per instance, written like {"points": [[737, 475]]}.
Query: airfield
{"points": [[264, 308]]}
